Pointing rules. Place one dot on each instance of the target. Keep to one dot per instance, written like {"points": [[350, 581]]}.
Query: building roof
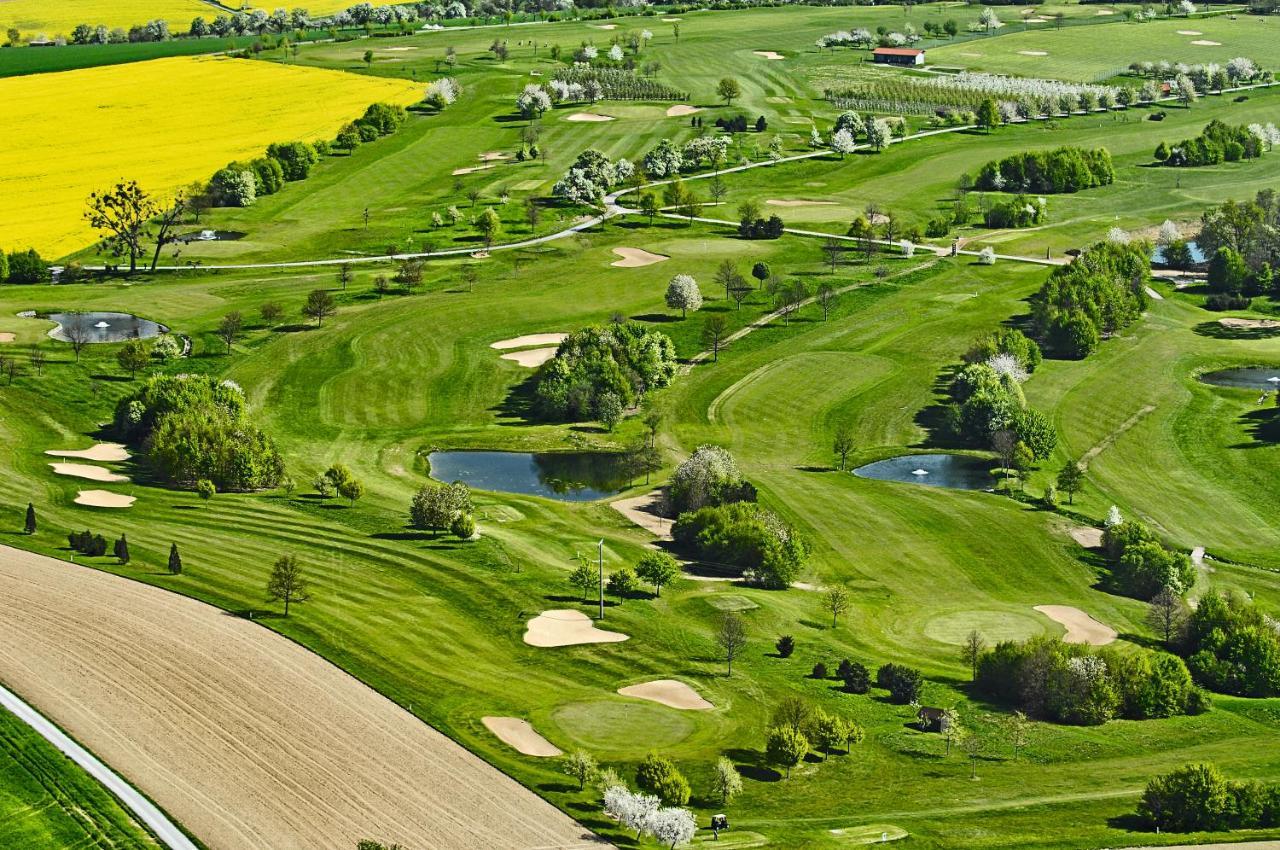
{"points": [[897, 51]]}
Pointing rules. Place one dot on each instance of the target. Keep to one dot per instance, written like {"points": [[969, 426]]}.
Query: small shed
{"points": [[898, 56], [932, 719]]}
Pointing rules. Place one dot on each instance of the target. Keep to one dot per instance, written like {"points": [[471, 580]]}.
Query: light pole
{"points": [[600, 561]]}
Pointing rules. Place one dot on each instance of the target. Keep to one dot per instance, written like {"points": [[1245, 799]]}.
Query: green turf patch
{"points": [[609, 725], [731, 840], [875, 833], [730, 602], [995, 626]]}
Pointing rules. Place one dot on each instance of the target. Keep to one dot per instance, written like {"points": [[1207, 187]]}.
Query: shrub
{"points": [[295, 158], [1190, 799], [785, 646], [744, 535], [27, 267], [856, 677], [463, 527], [1140, 565], [819, 671], [1218, 142], [1233, 647], [625, 359], [902, 683], [658, 776], [1016, 212]]}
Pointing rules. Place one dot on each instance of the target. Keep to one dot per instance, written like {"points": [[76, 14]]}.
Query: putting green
{"points": [[875, 833], [995, 626], [606, 725], [730, 602]]}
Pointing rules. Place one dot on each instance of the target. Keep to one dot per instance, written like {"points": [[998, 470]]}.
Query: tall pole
{"points": [[601, 564]]}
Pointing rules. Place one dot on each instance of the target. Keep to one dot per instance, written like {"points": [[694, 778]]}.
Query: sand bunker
{"points": [[668, 692], [1250, 324], [1190, 32], [528, 340], [471, 170], [605, 26], [493, 156], [634, 258], [768, 54], [565, 627], [1037, 20], [1086, 536], [7, 337], [1081, 628], [531, 358], [519, 735], [100, 452], [1155, 296], [681, 109], [92, 473], [972, 55], [1104, 12], [670, 20], [646, 512], [1206, 43], [798, 202], [1032, 53], [104, 499], [588, 116], [398, 49]]}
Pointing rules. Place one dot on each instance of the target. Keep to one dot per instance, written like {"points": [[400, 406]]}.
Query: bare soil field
{"points": [[243, 736]]}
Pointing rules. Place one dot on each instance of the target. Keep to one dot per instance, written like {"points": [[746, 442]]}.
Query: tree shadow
{"points": [[1129, 822], [409, 536], [558, 788], [752, 765], [1263, 426], [1216, 330], [517, 408], [656, 317]]}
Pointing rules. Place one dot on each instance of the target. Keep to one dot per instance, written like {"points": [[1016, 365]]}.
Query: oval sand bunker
{"points": [[681, 109], [565, 627], [92, 473], [528, 340], [668, 692], [104, 499], [531, 358], [588, 116], [634, 258], [521, 737], [1081, 628], [100, 452]]}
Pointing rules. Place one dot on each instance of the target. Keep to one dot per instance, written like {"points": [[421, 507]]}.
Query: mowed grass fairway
{"points": [[52, 18], [163, 123], [48, 801]]}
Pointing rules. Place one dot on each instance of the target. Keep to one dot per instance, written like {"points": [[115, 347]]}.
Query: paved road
{"points": [[143, 809]]}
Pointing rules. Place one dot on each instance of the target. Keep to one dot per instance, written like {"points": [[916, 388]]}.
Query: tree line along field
{"points": [[51, 19], [199, 114], [47, 801], [437, 625]]}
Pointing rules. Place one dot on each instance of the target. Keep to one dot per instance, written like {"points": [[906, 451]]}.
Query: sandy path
{"points": [[472, 170], [7, 337], [566, 627], [521, 737], [1089, 538], [246, 738], [1238, 845], [1032, 53], [1155, 296], [1202, 42], [531, 358], [1081, 628], [588, 116], [646, 512], [681, 109], [1190, 32], [101, 452], [104, 499], [1106, 441], [634, 258], [493, 156], [92, 473], [798, 202], [528, 340], [668, 692], [768, 54]]}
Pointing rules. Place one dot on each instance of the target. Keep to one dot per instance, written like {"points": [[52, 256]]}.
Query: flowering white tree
{"points": [[672, 826], [879, 133], [665, 160], [630, 809], [815, 138], [646, 36], [1007, 364], [1168, 233], [443, 91], [1113, 517], [532, 101], [615, 53], [588, 52], [842, 142], [683, 294], [989, 19], [987, 256], [908, 248], [1241, 69], [1187, 8], [1118, 236]]}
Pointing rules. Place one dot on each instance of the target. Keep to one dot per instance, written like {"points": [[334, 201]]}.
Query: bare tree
{"points": [[37, 359], [837, 602], [344, 275], [971, 651], [826, 298], [165, 221], [1166, 612], [121, 214], [1017, 726], [713, 334], [1005, 443], [974, 746], [732, 637], [842, 444], [229, 328], [77, 332], [833, 249]]}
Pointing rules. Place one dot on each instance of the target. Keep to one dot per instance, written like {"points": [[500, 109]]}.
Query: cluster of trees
{"points": [[1140, 564], [590, 176], [903, 683], [437, 507], [616, 84], [1232, 647], [850, 126], [1064, 169], [1076, 684], [23, 267], [195, 427], [854, 674], [1019, 211], [1198, 798], [1219, 142], [1207, 77], [598, 372], [745, 535], [1239, 238], [1099, 294], [645, 815], [707, 478], [797, 728], [739, 124], [339, 480]]}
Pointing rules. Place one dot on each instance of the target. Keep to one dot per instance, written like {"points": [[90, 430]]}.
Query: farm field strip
{"points": [[52, 18]]}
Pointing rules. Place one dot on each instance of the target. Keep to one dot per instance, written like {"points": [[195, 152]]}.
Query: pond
{"points": [[211, 236], [1249, 378], [566, 476], [1197, 255], [959, 472], [103, 327]]}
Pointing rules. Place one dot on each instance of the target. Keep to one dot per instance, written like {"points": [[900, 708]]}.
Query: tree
{"points": [[351, 490], [732, 637], [826, 298], [842, 142], [319, 305], [649, 206], [585, 579], [786, 746], [988, 116], [175, 560], [121, 550], [726, 782], [683, 294], [971, 650], [286, 583], [121, 214], [609, 410], [229, 328], [842, 444], [1166, 613], [1017, 727], [828, 732], [974, 744], [1071, 480], [165, 220], [714, 330], [1191, 798], [952, 728], [435, 506], [622, 584], [205, 489], [659, 776], [657, 568], [582, 766], [671, 826], [856, 676], [785, 645], [728, 89], [489, 226], [30, 526], [463, 527], [836, 601], [133, 356], [37, 358], [271, 313], [345, 275]]}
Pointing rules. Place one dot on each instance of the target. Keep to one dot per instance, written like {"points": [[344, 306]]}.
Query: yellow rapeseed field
{"points": [[59, 17], [164, 123]]}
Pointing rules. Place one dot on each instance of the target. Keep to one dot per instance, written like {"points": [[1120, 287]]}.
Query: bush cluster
{"points": [[603, 365], [1099, 294], [761, 228], [1019, 211], [745, 535], [709, 476], [87, 543], [1141, 566], [23, 267], [1197, 798], [1065, 169], [1217, 142], [902, 683], [1073, 683], [1232, 647]]}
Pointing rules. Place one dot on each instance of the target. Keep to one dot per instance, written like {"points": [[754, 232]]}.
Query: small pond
{"points": [[567, 476], [211, 236], [1197, 255], [104, 327], [1250, 378], [960, 472]]}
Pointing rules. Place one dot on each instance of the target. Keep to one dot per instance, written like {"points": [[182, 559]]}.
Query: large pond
{"points": [[960, 472], [1197, 255], [567, 476], [1251, 378], [103, 327]]}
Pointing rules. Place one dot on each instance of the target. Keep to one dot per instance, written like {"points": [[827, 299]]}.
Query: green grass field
{"points": [[437, 624], [47, 801]]}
